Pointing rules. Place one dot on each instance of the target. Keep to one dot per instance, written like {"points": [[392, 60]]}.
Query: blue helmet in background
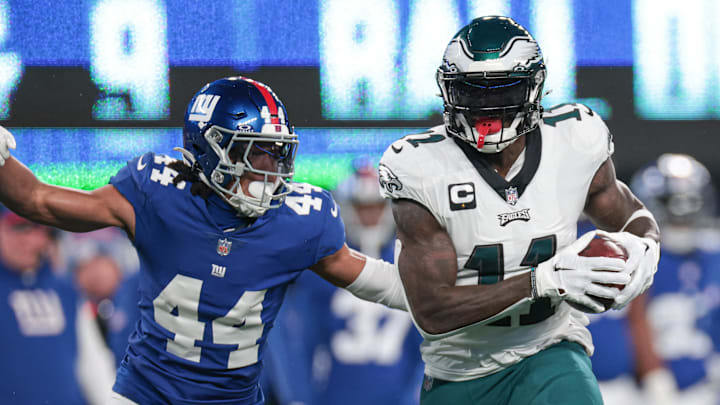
{"points": [[226, 122], [678, 190]]}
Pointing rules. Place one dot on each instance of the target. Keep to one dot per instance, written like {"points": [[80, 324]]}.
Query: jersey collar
{"points": [[533, 149]]}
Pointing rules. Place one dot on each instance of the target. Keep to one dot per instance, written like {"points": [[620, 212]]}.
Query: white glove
{"points": [[7, 142], [643, 258], [572, 277]]}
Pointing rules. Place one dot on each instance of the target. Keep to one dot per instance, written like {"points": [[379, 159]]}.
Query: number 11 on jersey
{"points": [[489, 261]]}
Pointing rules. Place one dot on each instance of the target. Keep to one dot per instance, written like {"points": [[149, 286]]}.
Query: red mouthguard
{"points": [[485, 126]]}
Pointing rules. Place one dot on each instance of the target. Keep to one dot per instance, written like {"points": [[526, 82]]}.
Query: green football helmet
{"points": [[491, 80]]}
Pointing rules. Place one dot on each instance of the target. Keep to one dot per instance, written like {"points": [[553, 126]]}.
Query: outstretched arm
{"points": [[64, 208], [365, 277], [429, 270]]}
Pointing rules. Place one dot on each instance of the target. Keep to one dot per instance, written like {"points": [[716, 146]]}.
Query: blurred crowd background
{"points": [[89, 85]]}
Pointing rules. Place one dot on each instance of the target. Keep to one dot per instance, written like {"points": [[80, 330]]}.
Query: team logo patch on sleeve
{"points": [[462, 196], [522, 215], [388, 180]]}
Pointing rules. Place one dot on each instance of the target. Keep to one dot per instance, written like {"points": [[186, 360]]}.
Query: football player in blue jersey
{"points": [[105, 269], [683, 305], [486, 206], [219, 235], [353, 351], [675, 358], [52, 349]]}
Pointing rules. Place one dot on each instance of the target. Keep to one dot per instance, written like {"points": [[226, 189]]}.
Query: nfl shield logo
{"points": [[427, 383], [223, 247], [511, 195]]}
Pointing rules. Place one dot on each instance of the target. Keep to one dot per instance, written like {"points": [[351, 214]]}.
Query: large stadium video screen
{"points": [[87, 84]]}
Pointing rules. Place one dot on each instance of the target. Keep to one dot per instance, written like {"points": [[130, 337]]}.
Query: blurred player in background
{"points": [[332, 348], [682, 307], [219, 236], [684, 303], [369, 225], [53, 352], [104, 266], [486, 207]]}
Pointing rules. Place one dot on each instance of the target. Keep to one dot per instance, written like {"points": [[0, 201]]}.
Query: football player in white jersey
{"points": [[486, 207]]}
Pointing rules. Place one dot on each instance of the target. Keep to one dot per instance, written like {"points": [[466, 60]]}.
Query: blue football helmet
{"points": [[491, 82], [227, 123], [679, 192]]}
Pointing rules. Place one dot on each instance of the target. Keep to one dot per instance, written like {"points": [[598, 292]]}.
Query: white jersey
{"points": [[502, 228]]}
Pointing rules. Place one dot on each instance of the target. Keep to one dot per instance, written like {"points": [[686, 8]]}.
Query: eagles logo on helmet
{"points": [[491, 81]]}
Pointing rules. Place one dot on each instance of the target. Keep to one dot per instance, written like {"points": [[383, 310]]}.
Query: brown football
{"points": [[602, 246]]}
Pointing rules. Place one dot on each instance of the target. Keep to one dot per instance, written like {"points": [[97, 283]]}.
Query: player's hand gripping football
{"points": [[642, 262], [7, 142], [573, 278]]}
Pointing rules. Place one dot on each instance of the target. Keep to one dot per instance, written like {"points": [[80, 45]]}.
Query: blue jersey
{"points": [[126, 314], [333, 348], [209, 293], [683, 309], [614, 354], [38, 316]]}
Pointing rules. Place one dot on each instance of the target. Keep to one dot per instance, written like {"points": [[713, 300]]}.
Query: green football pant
{"points": [[558, 375]]}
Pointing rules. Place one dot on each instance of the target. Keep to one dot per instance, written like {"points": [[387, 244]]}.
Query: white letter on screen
{"points": [[675, 61], [479, 8], [129, 61], [432, 25], [10, 64], [553, 28], [359, 42]]}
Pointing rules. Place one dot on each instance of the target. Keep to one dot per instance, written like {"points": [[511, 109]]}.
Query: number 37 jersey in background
{"points": [[209, 294], [500, 228]]}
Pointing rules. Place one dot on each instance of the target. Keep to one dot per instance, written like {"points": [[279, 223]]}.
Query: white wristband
{"points": [[641, 213]]}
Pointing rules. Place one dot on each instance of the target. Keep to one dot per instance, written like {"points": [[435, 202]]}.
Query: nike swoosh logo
{"points": [[334, 210], [140, 164]]}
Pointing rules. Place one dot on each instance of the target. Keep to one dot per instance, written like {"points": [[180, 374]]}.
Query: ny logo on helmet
{"points": [[203, 107]]}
